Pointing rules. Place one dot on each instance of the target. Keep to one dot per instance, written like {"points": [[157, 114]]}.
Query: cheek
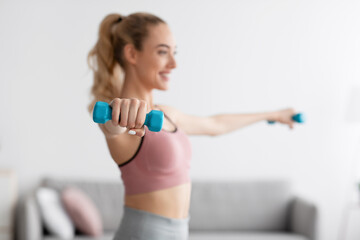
{"points": [[153, 68], [150, 68], [149, 72]]}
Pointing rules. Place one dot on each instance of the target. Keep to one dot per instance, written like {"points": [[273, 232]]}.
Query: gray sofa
{"points": [[242, 210]]}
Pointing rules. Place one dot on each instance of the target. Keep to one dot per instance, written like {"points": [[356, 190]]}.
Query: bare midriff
{"points": [[172, 202]]}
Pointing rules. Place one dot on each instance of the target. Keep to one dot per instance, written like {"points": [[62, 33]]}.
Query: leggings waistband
{"points": [[152, 218], [143, 225]]}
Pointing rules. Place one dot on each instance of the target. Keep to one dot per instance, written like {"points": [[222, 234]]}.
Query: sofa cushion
{"points": [[249, 206], [244, 236], [108, 197]]}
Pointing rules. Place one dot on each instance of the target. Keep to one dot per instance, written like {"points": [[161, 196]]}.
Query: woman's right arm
{"points": [[123, 146]]}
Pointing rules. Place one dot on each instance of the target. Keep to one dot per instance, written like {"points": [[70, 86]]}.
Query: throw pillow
{"points": [[82, 211], [54, 216]]}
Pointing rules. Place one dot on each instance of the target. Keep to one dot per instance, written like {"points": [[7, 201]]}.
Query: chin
{"points": [[163, 88]]}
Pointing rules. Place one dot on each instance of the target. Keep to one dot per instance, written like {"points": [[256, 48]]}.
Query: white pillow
{"points": [[54, 216]]}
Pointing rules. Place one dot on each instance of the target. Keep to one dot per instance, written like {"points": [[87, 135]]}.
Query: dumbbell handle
{"points": [[103, 113], [299, 118]]}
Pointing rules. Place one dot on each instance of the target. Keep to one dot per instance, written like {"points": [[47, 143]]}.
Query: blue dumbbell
{"points": [[103, 113], [299, 118]]}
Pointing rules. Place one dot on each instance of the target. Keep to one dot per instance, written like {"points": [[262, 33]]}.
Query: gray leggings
{"points": [[143, 225]]}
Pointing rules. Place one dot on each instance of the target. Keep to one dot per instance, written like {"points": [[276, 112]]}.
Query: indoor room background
{"points": [[233, 57]]}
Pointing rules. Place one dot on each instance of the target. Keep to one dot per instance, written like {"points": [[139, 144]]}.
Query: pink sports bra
{"points": [[161, 161]]}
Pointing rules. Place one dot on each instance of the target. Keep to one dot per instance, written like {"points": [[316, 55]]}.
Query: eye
{"points": [[161, 52]]}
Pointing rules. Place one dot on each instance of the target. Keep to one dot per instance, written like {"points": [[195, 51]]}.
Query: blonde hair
{"points": [[106, 58]]}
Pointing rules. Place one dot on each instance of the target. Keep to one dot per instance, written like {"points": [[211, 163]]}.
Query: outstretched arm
{"points": [[225, 123]]}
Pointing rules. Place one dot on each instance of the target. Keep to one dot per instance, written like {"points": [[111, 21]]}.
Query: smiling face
{"points": [[156, 59]]}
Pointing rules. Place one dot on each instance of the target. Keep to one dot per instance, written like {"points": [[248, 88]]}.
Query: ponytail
{"points": [[107, 83]]}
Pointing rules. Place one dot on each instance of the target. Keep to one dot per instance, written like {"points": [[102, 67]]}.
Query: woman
{"points": [[133, 56]]}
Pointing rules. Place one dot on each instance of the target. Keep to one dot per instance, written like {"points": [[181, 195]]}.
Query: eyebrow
{"points": [[164, 45]]}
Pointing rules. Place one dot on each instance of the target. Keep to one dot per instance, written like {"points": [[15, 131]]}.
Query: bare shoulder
{"points": [[170, 111]]}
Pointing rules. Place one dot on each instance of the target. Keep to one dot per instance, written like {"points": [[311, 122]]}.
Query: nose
{"points": [[172, 62]]}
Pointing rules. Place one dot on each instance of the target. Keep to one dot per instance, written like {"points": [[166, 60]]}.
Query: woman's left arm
{"points": [[225, 123]]}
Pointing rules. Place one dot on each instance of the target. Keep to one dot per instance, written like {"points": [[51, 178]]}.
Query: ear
{"points": [[130, 53]]}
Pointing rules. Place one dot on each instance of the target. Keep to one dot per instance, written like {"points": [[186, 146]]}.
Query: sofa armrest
{"points": [[303, 218], [28, 220]]}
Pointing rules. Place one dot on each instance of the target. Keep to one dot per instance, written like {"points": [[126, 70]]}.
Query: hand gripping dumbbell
{"points": [[103, 113], [299, 118]]}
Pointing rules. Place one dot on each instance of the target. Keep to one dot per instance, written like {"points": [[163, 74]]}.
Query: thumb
{"points": [[140, 132]]}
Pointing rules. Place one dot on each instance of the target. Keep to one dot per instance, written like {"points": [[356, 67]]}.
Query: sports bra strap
{"points": [[157, 106]]}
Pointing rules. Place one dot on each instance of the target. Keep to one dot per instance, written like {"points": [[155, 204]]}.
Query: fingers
{"points": [[130, 114], [141, 116], [115, 105], [290, 112], [124, 113], [285, 116], [133, 112]]}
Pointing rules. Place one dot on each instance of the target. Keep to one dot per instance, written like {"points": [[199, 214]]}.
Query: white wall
{"points": [[233, 56]]}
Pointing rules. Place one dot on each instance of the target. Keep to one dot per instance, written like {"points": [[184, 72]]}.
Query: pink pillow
{"points": [[82, 211]]}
